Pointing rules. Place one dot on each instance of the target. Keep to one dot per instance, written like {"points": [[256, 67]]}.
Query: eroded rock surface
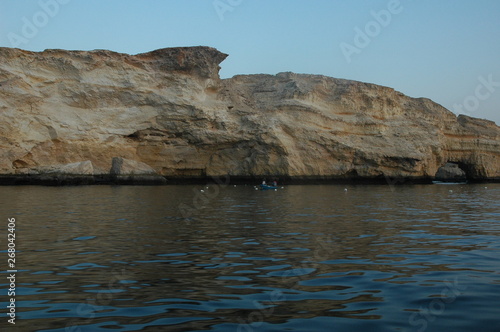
{"points": [[170, 110], [451, 173]]}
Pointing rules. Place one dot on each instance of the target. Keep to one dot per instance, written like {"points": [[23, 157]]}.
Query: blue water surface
{"points": [[302, 258]]}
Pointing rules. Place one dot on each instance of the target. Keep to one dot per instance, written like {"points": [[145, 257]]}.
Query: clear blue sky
{"points": [[446, 50]]}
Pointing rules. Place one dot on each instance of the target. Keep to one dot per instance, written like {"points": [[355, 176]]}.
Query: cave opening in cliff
{"points": [[455, 171], [469, 170]]}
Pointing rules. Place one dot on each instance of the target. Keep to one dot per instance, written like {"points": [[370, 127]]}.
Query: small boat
{"points": [[267, 187]]}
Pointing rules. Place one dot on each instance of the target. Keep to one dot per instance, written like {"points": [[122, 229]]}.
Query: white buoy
{"points": [[202, 191], [451, 191], [275, 189], [345, 189], [235, 186]]}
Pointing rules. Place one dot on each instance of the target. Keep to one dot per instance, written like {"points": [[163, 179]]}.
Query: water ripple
{"points": [[304, 258]]}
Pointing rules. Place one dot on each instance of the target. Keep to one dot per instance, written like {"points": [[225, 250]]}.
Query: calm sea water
{"points": [[302, 258]]}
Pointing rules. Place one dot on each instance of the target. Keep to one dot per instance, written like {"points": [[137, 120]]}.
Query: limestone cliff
{"points": [[170, 110]]}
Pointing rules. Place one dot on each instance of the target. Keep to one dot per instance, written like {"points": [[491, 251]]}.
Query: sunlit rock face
{"points": [[170, 110]]}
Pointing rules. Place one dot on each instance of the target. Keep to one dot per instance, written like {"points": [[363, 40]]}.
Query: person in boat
{"points": [[275, 183], [264, 182]]}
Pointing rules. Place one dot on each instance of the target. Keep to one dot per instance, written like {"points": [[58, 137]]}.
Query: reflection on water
{"points": [[303, 258]]}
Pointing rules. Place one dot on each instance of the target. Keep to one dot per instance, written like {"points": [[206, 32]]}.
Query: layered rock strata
{"points": [[170, 110]]}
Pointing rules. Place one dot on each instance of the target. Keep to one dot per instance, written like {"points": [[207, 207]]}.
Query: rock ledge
{"points": [[169, 109]]}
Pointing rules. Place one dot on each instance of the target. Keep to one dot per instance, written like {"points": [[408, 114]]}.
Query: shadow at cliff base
{"points": [[312, 180], [155, 180], [80, 180]]}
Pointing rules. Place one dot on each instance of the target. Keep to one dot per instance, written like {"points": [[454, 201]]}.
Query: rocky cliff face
{"points": [[170, 110]]}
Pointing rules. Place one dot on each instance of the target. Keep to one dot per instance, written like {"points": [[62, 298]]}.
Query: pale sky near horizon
{"points": [[446, 50]]}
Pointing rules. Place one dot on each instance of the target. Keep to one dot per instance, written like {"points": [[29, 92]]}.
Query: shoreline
{"points": [[157, 180]]}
